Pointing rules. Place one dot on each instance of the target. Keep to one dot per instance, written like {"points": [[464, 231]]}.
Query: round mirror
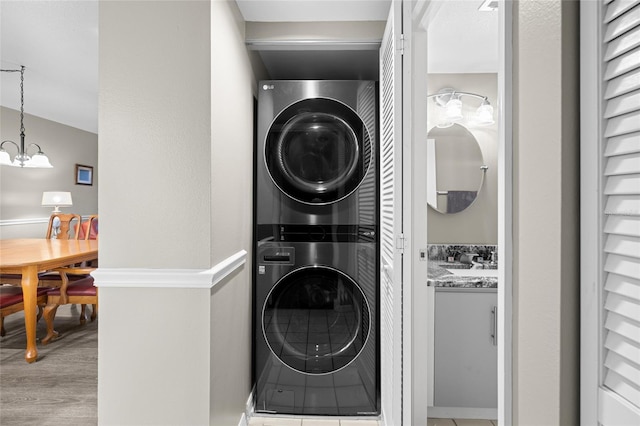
{"points": [[455, 168]]}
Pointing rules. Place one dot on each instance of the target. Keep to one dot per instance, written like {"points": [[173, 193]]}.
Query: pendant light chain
{"points": [[21, 71], [22, 99]]}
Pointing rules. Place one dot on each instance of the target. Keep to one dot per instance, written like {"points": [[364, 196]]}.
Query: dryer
{"points": [[316, 153], [316, 315]]}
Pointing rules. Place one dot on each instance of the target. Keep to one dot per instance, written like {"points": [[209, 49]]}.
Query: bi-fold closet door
{"points": [[610, 212], [391, 240]]}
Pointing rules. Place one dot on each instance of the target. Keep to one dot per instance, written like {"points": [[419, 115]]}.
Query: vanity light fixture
{"points": [[22, 159], [451, 101]]}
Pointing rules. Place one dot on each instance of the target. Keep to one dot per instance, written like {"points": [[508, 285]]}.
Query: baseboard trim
{"points": [[462, 413], [168, 278]]}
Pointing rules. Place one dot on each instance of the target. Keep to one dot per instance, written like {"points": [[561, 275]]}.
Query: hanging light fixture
{"points": [[22, 159], [451, 101]]}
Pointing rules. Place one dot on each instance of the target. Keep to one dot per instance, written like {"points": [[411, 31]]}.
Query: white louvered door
{"points": [[391, 219], [611, 287]]}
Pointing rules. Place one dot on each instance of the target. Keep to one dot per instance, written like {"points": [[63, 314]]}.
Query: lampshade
{"points": [[39, 160], [453, 110], [484, 114], [5, 158], [56, 199]]}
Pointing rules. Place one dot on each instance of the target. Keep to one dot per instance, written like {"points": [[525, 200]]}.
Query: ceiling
{"points": [[313, 10], [57, 41]]}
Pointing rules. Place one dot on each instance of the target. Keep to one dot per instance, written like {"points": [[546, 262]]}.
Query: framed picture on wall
{"points": [[84, 175]]}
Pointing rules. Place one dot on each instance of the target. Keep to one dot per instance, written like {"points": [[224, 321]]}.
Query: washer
{"points": [[316, 316], [316, 152]]}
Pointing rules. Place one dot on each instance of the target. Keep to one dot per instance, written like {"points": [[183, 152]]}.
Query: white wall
{"points": [[233, 86], [176, 83], [21, 189], [155, 134], [546, 201]]}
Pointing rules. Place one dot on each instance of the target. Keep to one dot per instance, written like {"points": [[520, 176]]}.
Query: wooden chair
{"points": [[11, 301], [76, 284], [67, 223], [80, 291], [89, 228]]}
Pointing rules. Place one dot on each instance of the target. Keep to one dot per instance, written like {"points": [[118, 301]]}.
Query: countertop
{"points": [[439, 276]]}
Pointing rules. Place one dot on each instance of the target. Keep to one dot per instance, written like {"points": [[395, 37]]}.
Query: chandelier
{"points": [[22, 159]]}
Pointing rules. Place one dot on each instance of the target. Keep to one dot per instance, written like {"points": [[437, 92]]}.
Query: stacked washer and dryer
{"points": [[316, 259]]}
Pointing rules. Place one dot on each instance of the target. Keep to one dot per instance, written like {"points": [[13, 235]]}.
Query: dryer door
{"points": [[317, 151], [316, 320]]}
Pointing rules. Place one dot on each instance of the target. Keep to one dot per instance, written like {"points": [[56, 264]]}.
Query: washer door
{"points": [[316, 320], [317, 151]]}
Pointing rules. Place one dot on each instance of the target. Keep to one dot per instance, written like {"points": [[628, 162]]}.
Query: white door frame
{"points": [[422, 10], [505, 216]]}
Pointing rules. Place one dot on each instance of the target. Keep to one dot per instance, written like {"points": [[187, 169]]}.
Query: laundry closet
{"points": [[316, 269]]}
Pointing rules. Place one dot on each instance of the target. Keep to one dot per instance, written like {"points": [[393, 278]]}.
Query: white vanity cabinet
{"points": [[465, 358]]}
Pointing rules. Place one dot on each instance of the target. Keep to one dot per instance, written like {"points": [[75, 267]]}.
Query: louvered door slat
{"points": [[623, 265], [623, 44], [623, 306], [629, 371], [624, 104], [623, 64], [621, 386], [625, 184], [617, 8], [622, 84], [623, 225], [623, 24], [624, 144], [626, 286], [623, 164], [619, 323], [622, 205], [623, 245]]}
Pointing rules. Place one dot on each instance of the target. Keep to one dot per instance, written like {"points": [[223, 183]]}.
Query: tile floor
{"points": [[461, 422], [286, 421], [283, 421]]}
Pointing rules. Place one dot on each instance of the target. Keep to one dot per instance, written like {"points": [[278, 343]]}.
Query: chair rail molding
{"points": [[29, 221], [168, 278]]}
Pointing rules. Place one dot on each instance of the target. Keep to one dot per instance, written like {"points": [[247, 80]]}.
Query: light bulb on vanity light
{"points": [[484, 114], [453, 110]]}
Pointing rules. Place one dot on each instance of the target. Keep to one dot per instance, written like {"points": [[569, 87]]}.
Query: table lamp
{"points": [[56, 199]]}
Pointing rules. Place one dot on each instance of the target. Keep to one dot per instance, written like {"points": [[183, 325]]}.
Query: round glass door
{"points": [[317, 151], [316, 320]]}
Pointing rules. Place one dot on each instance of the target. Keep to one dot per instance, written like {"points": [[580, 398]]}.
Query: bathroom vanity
{"points": [[465, 370], [465, 342]]}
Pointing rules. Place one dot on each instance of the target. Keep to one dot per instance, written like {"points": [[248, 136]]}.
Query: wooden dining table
{"points": [[29, 257]]}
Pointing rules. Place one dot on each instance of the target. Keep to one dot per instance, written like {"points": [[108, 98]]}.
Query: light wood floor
{"points": [[61, 387]]}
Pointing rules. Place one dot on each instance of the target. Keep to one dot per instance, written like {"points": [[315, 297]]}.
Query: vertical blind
{"points": [[621, 196]]}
